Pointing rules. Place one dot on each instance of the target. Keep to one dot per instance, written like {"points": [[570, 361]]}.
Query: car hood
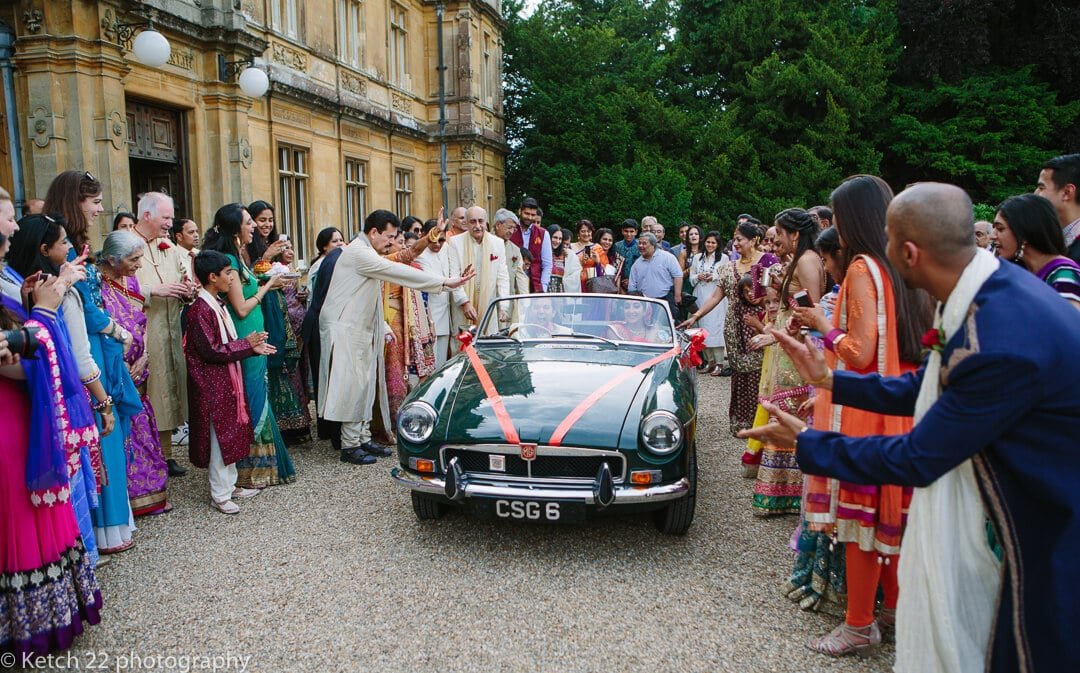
{"points": [[540, 386]]}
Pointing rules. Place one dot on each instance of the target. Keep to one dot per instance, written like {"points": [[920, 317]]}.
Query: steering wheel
{"points": [[517, 327]]}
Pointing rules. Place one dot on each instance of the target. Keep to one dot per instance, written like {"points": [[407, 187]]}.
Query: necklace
{"points": [[122, 289]]}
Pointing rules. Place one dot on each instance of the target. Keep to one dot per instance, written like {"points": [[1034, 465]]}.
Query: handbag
{"points": [[602, 285]]}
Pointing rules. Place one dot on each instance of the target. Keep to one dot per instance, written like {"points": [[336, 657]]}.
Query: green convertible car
{"points": [[561, 406]]}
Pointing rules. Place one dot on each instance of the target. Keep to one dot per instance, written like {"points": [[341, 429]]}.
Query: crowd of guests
{"points": [[112, 351]]}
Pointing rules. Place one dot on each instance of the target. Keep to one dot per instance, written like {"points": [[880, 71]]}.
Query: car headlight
{"points": [[661, 432], [416, 421]]}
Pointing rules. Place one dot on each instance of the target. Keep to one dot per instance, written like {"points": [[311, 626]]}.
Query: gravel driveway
{"points": [[334, 573]]}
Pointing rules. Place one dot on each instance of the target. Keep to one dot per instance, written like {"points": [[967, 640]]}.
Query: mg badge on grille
{"points": [[528, 451]]}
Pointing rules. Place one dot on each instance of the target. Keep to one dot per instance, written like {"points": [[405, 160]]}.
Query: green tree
{"points": [[591, 132], [986, 133], [790, 97]]}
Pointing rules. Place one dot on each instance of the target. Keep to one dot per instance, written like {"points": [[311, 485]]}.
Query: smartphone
{"points": [[802, 298], [283, 237]]}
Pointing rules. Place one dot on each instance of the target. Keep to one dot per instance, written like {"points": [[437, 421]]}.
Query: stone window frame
{"points": [[355, 196], [285, 17], [398, 41], [403, 191], [294, 197], [351, 43]]}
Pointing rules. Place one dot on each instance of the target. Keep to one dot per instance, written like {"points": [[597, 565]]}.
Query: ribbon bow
{"points": [[465, 337], [692, 357]]}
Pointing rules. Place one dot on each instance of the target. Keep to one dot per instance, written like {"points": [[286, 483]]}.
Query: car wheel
{"points": [[675, 519], [426, 508]]}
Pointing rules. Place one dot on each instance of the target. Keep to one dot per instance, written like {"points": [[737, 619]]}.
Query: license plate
{"points": [[529, 510]]}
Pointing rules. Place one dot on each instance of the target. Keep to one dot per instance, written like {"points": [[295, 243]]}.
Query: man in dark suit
{"points": [[993, 454], [1059, 181]]}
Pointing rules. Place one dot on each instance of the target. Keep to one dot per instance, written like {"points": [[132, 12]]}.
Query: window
{"points": [[293, 187], [285, 17], [486, 75], [351, 32], [490, 194], [403, 192], [399, 34], [355, 197]]}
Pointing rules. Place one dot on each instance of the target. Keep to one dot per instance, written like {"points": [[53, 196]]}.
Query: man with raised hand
{"points": [[986, 563]]}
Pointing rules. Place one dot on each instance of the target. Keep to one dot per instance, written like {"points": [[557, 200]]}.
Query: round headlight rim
{"points": [[419, 404], [660, 413]]}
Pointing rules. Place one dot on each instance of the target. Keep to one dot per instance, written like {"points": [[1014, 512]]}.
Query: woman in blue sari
{"points": [[76, 196], [268, 463]]}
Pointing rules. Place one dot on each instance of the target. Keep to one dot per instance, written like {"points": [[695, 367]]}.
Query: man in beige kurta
{"points": [[486, 253], [352, 334], [165, 284]]}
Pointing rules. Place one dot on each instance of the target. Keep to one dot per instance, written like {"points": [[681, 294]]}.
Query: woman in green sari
{"points": [[268, 463]]}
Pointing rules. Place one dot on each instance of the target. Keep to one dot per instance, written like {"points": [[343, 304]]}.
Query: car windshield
{"points": [[568, 316]]}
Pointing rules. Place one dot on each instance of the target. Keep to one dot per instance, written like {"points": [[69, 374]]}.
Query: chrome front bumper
{"points": [[484, 487]]}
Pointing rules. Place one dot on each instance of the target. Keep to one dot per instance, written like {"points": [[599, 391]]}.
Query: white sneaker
{"points": [[180, 436], [245, 493], [227, 507]]}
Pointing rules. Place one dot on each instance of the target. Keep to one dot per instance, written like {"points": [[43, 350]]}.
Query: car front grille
{"points": [[550, 462]]}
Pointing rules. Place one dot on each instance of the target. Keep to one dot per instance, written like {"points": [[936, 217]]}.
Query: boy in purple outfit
{"points": [[221, 432]]}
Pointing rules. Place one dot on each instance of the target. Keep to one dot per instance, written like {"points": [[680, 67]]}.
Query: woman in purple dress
{"points": [[147, 471]]}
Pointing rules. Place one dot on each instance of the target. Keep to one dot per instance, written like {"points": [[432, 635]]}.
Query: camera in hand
{"points": [[21, 341], [802, 298]]}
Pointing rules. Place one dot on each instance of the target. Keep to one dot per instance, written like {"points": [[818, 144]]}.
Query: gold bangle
{"points": [[433, 235], [827, 376]]}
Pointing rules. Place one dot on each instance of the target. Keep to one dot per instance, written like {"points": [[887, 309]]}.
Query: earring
{"points": [[1020, 253]]}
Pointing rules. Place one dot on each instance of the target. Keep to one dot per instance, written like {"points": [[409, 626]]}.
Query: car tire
{"points": [[675, 519], [426, 508]]}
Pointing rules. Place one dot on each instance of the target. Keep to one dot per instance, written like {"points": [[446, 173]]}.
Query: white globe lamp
{"points": [[151, 48], [254, 82]]}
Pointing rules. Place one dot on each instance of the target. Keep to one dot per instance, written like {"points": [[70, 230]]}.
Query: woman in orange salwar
{"points": [[876, 327]]}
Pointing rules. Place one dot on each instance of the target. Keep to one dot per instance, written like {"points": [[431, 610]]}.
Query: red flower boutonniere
{"points": [[163, 246], [492, 258], [514, 260], [934, 340]]}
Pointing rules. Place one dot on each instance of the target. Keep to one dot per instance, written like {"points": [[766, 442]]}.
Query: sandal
{"points": [[845, 639], [887, 623], [116, 550]]}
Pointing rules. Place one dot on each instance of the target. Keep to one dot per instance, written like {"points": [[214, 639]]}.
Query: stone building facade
{"points": [[350, 123]]}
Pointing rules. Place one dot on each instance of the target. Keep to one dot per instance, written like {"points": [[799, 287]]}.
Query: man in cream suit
{"points": [[486, 253], [352, 333]]}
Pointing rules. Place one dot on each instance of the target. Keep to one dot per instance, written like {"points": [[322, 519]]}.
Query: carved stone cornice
{"points": [[325, 100]]}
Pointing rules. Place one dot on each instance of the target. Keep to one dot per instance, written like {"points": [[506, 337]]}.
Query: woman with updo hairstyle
{"points": [[119, 259], [584, 230], [268, 463], [745, 362], [1026, 231], [778, 484]]}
